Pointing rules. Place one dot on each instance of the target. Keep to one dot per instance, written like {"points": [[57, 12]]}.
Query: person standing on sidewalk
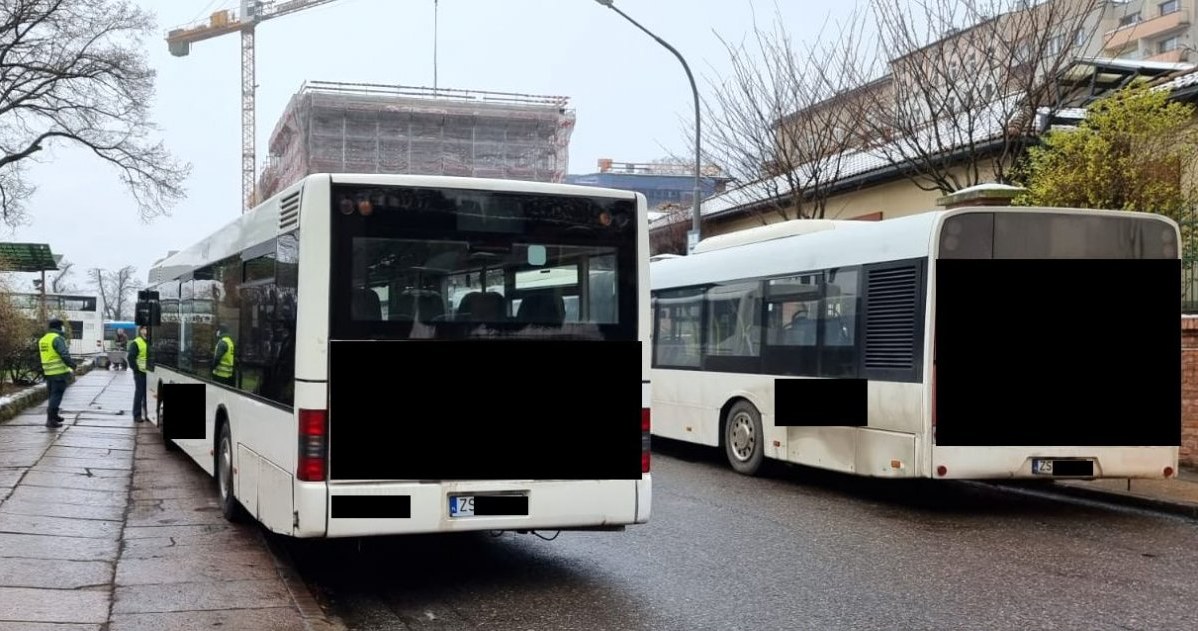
{"points": [[138, 352], [57, 365]]}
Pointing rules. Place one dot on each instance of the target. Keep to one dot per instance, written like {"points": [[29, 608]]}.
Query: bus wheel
{"points": [[229, 506], [743, 438]]}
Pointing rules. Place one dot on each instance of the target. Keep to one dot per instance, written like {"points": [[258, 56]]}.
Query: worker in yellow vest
{"points": [[222, 357], [57, 366], [138, 353]]}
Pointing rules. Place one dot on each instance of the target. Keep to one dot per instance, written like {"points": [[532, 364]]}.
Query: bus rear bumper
{"points": [[367, 509], [1052, 463]]}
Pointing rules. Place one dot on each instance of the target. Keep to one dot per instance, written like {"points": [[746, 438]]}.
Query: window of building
{"points": [[1129, 19], [1168, 44], [1170, 6]]}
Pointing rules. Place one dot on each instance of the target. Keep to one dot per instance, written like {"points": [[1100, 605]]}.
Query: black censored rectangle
{"points": [[371, 506], [484, 410], [1058, 352], [500, 505], [182, 414], [821, 402]]}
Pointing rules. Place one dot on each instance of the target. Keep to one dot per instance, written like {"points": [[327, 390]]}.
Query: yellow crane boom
{"points": [[252, 12]]}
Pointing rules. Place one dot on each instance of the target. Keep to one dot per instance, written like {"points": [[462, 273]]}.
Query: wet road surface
{"points": [[795, 549]]}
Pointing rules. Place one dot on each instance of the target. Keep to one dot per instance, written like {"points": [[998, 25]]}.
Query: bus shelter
{"points": [[29, 258]]}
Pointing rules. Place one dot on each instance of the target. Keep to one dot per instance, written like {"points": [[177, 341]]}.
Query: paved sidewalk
{"points": [[101, 528]]}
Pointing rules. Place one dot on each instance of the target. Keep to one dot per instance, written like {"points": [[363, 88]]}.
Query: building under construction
{"points": [[366, 128]]}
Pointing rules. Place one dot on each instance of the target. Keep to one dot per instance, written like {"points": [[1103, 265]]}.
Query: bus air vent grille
{"points": [[892, 297]]}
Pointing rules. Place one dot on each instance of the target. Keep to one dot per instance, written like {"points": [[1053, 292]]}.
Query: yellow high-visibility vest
{"points": [[141, 353], [52, 362], [224, 363]]}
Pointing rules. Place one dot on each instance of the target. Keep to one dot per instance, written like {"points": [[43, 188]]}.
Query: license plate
{"points": [[461, 506], [1063, 467], [1041, 467]]}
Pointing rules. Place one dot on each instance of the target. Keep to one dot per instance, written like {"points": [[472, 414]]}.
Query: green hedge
{"points": [[34, 395]]}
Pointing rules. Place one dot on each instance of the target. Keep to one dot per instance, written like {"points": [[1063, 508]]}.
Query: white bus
{"points": [[395, 370], [80, 314], [972, 343]]}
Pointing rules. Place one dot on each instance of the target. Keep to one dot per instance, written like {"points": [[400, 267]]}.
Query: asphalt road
{"points": [[797, 549]]}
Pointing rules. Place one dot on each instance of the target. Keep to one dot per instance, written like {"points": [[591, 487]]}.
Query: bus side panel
{"points": [[676, 413], [878, 452], [897, 407], [245, 482], [690, 403], [275, 499], [312, 325], [832, 448]]}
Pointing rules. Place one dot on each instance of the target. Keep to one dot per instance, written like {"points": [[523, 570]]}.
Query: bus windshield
{"points": [[456, 264]]}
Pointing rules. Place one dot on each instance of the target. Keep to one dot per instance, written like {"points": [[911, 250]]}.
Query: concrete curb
{"points": [[315, 617], [1185, 509], [34, 395], [1160, 505]]}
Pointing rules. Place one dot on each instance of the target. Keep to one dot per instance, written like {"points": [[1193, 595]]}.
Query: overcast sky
{"points": [[631, 95]]}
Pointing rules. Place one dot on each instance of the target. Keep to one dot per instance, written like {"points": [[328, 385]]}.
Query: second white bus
{"points": [[972, 343]]}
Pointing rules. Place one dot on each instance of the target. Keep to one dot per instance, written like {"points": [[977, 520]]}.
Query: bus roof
{"points": [[489, 184], [261, 224], [773, 250]]}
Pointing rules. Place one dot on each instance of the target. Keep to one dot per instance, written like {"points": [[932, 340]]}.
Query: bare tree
{"points": [[675, 222], [73, 71], [97, 278], [61, 283], [966, 79], [116, 289], [773, 123]]}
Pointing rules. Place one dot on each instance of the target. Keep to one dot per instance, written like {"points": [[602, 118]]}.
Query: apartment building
{"points": [[1152, 30]]}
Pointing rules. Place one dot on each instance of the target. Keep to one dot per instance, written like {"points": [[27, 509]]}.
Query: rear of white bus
{"points": [[484, 347], [1057, 345]]}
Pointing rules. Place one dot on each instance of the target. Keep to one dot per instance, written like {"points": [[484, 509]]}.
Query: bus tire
{"points": [[223, 470], [743, 438]]}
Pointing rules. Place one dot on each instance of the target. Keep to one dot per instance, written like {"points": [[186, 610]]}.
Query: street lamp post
{"points": [[693, 237]]}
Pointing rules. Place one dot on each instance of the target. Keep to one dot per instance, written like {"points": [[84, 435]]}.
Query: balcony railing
{"points": [[1119, 38]]}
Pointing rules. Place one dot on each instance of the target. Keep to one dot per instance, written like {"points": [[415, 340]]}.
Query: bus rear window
{"points": [[1021, 235], [469, 266]]}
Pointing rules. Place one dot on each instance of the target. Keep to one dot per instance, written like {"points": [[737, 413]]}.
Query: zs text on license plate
{"points": [[461, 506]]}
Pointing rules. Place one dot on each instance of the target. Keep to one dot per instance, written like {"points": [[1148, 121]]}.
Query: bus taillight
{"points": [[644, 440], [313, 445]]}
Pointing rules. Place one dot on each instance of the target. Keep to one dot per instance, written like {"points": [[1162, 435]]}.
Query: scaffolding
{"points": [[332, 127]]}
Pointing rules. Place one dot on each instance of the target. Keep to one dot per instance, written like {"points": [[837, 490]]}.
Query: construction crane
{"points": [[227, 21]]}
